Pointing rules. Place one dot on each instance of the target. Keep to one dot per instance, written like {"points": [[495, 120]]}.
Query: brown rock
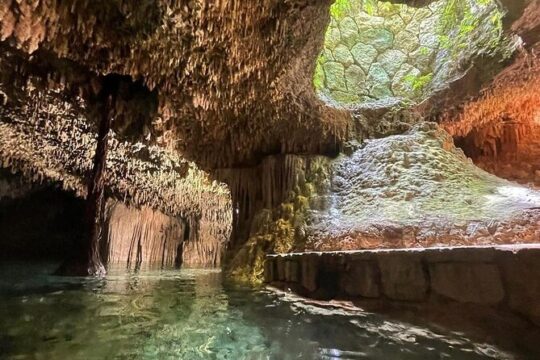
{"points": [[467, 282], [269, 270], [521, 273], [309, 271], [460, 255], [292, 271], [361, 279], [280, 266], [402, 277]]}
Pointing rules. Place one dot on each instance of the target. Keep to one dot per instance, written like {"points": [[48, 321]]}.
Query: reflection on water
{"points": [[191, 314]]}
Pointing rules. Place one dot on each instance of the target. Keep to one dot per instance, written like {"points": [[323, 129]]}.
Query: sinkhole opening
{"points": [[378, 52]]}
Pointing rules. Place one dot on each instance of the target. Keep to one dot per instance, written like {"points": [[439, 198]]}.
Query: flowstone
{"points": [[410, 190], [418, 189]]}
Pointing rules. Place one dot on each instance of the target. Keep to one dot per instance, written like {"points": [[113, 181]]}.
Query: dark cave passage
{"points": [[42, 223]]}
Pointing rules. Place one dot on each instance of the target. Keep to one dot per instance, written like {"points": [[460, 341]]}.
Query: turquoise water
{"points": [[192, 314]]}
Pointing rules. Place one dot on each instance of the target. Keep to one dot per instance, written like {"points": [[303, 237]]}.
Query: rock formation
{"points": [[244, 128]]}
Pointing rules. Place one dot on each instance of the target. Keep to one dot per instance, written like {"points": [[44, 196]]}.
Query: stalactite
{"points": [[499, 130], [49, 140], [264, 58]]}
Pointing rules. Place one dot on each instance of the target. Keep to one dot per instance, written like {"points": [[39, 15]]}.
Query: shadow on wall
{"points": [[43, 224]]}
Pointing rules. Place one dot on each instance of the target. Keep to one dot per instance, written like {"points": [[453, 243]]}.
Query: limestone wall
{"points": [[136, 236], [500, 130], [505, 278], [376, 51]]}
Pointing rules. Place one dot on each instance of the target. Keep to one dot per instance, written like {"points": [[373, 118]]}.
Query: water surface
{"points": [[192, 314]]}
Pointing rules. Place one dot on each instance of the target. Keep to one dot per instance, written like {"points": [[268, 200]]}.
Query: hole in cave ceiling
{"points": [[380, 53]]}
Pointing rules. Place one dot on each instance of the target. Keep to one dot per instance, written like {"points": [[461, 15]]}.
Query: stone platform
{"points": [[504, 279]]}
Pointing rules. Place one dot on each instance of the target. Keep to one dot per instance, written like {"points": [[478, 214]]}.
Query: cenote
{"points": [[269, 179], [192, 314]]}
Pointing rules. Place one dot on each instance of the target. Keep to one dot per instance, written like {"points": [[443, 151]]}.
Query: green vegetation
{"points": [[339, 9], [370, 6], [342, 8], [418, 83], [463, 20], [282, 228], [318, 79]]}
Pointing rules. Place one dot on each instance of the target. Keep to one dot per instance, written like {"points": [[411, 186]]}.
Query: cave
{"points": [[270, 179]]}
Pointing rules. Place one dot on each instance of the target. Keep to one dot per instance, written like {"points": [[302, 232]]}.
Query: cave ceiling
{"points": [[232, 77]]}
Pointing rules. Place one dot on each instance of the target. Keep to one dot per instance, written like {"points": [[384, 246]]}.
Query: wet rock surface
{"points": [[520, 273], [467, 282], [360, 279], [403, 278], [501, 278], [402, 191], [418, 189]]}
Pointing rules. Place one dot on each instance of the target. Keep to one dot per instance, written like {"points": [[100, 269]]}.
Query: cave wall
{"points": [[142, 236], [379, 52], [500, 129], [492, 110], [218, 78], [271, 207], [49, 137], [44, 222], [148, 237], [510, 150], [409, 190], [228, 83], [13, 186]]}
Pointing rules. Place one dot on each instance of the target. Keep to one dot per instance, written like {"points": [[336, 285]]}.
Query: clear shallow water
{"points": [[191, 314]]}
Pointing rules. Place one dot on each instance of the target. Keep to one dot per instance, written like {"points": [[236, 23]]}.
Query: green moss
{"points": [[424, 51], [418, 83], [248, 265], [287, 211], [453, 31], [340, 8], [281, 229], [387, 9], [459, 22], [370, 6], [301, 203]]}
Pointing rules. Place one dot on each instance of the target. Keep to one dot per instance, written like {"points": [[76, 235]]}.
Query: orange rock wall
{"points": [[500, 130]]}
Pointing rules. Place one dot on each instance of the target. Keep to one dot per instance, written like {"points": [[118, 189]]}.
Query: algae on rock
{"points": [[282, 227]]}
